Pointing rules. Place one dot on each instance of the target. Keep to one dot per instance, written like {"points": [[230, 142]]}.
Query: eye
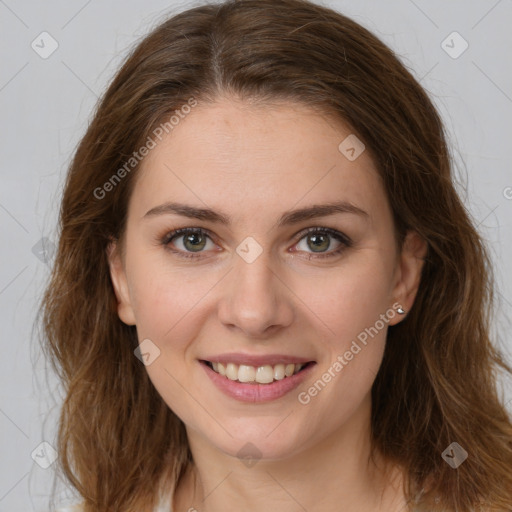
{"points": [[319, 240], [191, 242]]}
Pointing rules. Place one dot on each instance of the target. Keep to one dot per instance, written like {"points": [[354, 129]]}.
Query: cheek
{"points": [[163, 302], [349, 299], [354, 308], [353, 348], [166, 310]]}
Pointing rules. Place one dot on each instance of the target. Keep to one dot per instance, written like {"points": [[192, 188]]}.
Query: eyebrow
{"points": [[287, 218]]}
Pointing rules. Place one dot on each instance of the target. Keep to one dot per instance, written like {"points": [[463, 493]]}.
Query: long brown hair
{"points": [[118, 440]]}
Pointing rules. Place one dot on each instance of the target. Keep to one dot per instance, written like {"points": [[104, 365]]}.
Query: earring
{"points": [[400, 311]]}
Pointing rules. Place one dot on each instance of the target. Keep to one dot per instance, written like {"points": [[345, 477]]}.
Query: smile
{"points": [[243, 382]]}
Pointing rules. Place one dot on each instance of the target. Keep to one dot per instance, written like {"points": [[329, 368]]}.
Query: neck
{"points": [[337, 469]]}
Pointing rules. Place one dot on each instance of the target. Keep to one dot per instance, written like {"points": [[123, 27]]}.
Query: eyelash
{"points": [[337, 235]]}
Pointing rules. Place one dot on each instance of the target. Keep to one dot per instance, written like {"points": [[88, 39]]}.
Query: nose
{"points": [[255, 298]]}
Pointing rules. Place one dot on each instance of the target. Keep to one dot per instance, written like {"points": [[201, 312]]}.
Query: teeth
{"points": [[279, 371], [261, 375], [232, 371], [246, 373], [265, 374]]}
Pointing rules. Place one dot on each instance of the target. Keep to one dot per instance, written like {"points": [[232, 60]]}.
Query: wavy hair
{"points": [[118, 442]]}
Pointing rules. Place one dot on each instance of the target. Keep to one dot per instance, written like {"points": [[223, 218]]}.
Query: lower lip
{"points": [[257, 392]]}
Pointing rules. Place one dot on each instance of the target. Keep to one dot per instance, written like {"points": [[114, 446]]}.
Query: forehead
{"points": [[251, 160]]}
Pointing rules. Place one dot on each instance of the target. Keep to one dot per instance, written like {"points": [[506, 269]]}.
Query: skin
{"points": [[253, 163]]}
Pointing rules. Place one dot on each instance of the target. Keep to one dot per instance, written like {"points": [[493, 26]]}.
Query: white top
{"points": [[163, 506], [78, 508]]}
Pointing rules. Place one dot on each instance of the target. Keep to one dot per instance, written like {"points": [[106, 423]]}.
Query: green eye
{"points": [[319, 240], [195, 240]]}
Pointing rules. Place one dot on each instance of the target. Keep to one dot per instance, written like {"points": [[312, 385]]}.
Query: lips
{"points": [[252, 368], [253, 391]]}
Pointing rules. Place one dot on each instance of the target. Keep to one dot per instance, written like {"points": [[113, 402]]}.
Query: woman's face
{"points": [[250, 288]]}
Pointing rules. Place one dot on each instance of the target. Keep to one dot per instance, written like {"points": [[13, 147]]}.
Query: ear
{"points": [[408, 272], [120, 284]]}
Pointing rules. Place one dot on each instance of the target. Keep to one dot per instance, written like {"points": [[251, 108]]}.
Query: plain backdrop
{"points": [[458, 50]]}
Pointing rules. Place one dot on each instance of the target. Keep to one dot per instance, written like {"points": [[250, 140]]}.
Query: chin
{"points": [[257, 439]]}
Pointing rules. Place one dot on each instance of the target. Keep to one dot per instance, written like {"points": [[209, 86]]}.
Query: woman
{"points": [[267, 293]]}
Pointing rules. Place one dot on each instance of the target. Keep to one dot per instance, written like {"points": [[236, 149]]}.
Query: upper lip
{"points": [[256, 360]]}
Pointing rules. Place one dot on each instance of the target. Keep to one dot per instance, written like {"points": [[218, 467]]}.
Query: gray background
{"points": [[46, 103]]}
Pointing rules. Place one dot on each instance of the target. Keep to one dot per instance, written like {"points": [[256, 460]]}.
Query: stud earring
{"points": [[400, 311]]}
